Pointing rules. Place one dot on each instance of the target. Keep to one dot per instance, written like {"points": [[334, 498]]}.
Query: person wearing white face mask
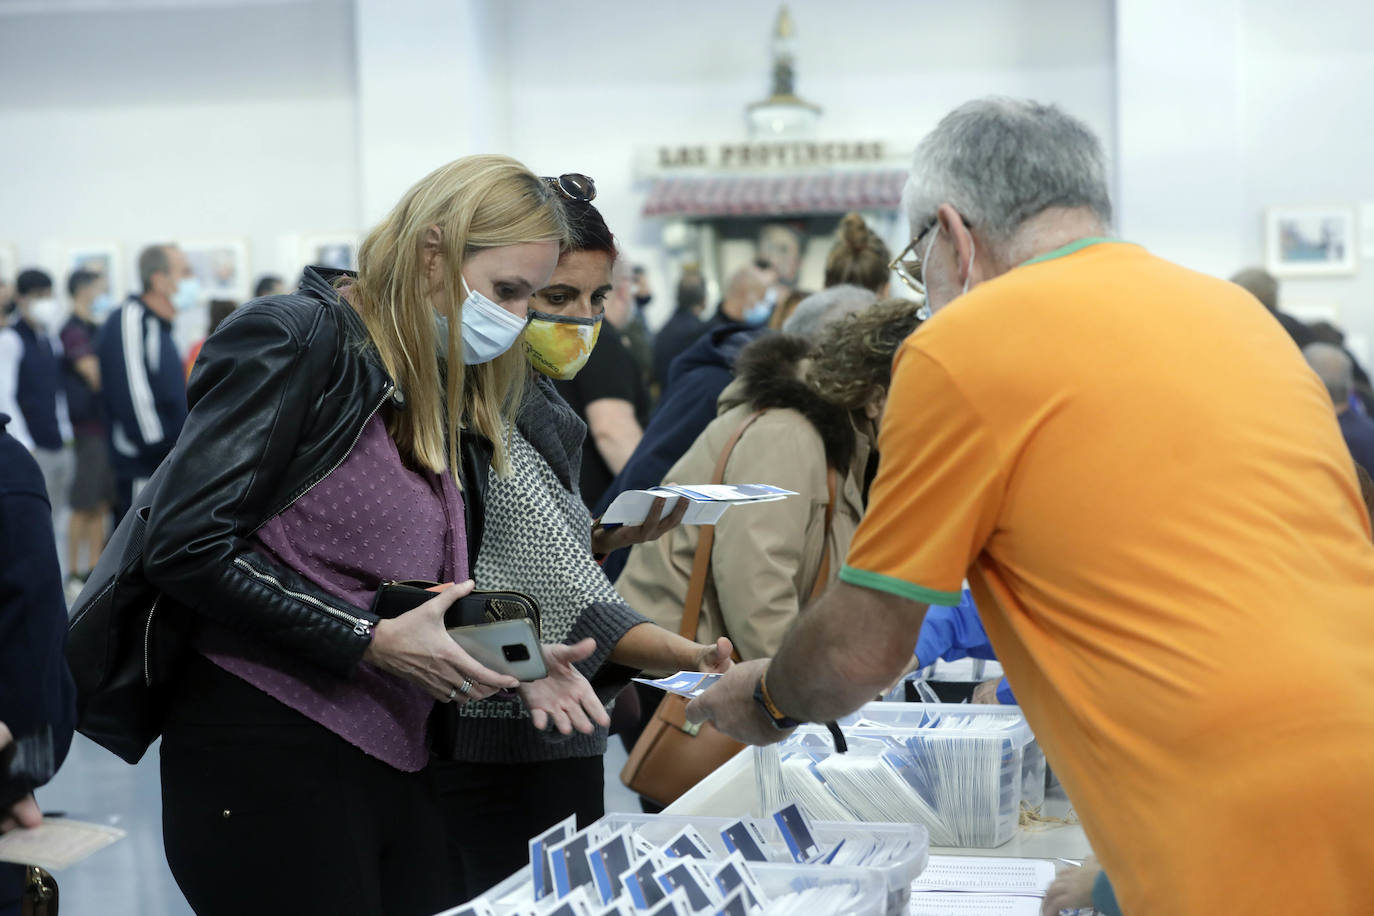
{"points": [[142, 387], [92, 491], [506, 781], [30, 382], [336, 446], [1137, 520]]}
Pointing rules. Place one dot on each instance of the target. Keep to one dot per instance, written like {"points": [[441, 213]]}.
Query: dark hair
{"points": [[858, 257], [1261, 284], [265, 282], [79, 279], [219, 310], [587, 230], [31, 281], [153, 260], [1326, 332], [691, 291]]}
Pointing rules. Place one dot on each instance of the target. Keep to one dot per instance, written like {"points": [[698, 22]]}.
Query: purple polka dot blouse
{"points": [[371, 520]]}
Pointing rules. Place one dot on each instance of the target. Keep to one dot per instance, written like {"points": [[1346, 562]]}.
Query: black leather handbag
{"points": [[478, 607], [125, 641]]}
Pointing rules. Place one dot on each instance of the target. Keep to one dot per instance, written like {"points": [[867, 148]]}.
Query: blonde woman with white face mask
{"points": [[507, 782], [328, 450]]}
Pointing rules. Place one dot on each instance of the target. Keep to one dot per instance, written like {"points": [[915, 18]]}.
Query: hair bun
{"points": [[854, 232]]}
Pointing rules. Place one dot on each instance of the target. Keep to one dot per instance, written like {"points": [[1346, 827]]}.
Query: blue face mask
{"points": [[488, 329], [102, 305], [761, 311], [187, 295]]}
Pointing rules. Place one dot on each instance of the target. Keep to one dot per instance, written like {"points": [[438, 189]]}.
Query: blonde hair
{"points": [[858, 257], [476, 202]]}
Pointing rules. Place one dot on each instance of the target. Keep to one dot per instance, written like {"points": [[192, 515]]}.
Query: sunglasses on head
{"points": [[574, 186]]}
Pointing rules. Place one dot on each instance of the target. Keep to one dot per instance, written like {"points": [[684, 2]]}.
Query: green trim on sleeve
{"points": [[899, 587]]}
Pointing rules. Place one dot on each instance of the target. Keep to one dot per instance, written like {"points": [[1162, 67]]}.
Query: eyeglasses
{"points": [[907, 264], [574, 187]]}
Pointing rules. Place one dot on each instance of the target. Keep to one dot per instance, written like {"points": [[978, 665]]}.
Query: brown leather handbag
{"points": [[672, 754]]}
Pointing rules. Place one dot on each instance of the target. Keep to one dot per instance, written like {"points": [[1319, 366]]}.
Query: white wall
{"points": [[136, 126], [429, 90], [135, 121], [1179, 130], [588, 86], [1308, 131]]}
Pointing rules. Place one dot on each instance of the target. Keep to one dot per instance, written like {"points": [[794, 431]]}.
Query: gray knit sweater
{"points": [[537, 540]]}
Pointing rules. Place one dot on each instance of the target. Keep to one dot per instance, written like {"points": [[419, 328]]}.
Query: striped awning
{"points": [[775, 195]]}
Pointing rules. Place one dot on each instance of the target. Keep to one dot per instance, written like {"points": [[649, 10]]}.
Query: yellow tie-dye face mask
{"points": [[559, 345]]}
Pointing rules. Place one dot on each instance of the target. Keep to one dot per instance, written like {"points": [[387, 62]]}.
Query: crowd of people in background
{"points": [[504, 408]]}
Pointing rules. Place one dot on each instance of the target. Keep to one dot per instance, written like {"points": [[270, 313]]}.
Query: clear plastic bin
{"points": [[906, 715], [897, 876], [870, 896], [934, 759]]}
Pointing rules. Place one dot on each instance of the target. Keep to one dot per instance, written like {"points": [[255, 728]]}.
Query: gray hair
{"points": [[153, 260], [1001, 161], [1333, 367], [818, 310], [1261, 284]]}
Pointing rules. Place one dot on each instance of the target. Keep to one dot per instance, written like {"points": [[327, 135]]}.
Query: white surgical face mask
{"points": [[47, 312], [187, 294], [925, 261], [488, 329], [761, 311]]}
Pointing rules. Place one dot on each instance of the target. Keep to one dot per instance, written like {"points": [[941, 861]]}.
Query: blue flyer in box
{"points": [[684, 876], [743, 838], [734, 878], [688, 844], [540, 873], [674, 905], [569, 858], [736, 904], [608, 862], [796, 832], [639, 883]]}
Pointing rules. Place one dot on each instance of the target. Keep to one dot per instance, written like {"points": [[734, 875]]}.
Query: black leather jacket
{"points": [[279, 396]]}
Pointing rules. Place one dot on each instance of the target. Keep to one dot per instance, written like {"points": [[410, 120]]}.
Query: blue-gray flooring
{"points": [[131, 878]]}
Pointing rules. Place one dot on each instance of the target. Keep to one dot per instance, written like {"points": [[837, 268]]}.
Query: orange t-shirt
{"points": [[1148, 491]]}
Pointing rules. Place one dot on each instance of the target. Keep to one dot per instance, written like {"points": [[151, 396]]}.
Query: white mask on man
{"points": [[47, 312], [925, 260]]}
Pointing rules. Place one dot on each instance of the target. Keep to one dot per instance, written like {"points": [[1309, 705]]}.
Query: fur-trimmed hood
{"points": [[767, 376]]}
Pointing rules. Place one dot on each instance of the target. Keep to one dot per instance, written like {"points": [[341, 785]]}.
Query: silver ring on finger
{"points": [[467, 686], [453, 692]]}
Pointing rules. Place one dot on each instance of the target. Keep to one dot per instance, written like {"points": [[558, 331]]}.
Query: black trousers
{"points": [[492, 810], [266, 812]]}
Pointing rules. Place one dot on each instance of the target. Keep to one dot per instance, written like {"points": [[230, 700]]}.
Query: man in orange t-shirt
{"points": [[1150, 497]]}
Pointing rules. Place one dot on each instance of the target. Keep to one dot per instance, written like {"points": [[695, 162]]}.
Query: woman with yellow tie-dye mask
{"points": [[565, 316], [508, 782]]}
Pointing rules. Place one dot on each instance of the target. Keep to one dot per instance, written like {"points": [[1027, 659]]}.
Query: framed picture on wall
{"points": [[1310, 241], [221, 266], [339, 250], [104, 258]]}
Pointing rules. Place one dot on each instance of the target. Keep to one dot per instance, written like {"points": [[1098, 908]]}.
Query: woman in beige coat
{"points": [[821, 406]]}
